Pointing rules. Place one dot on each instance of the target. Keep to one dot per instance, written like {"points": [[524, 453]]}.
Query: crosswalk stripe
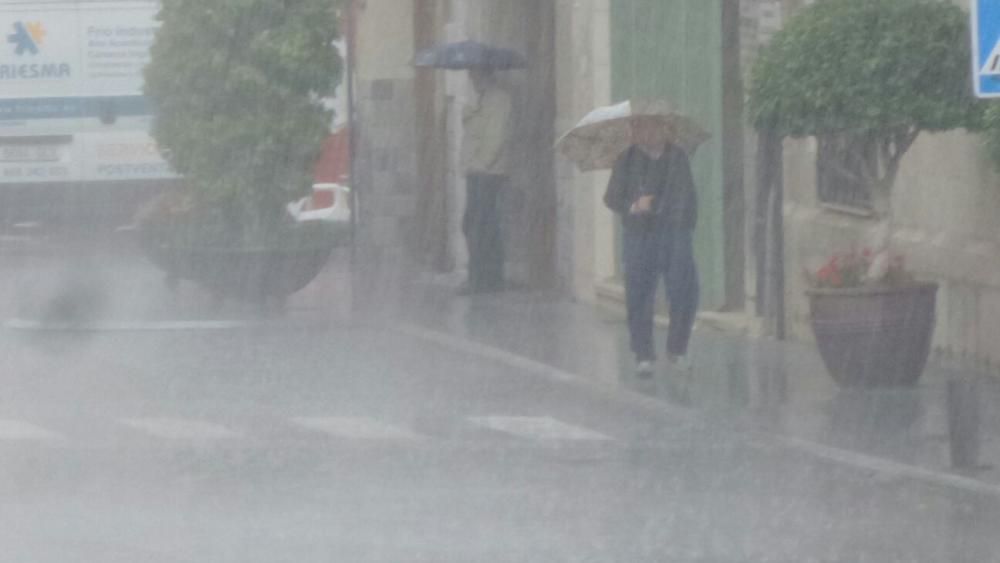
{"points": [[151, 326], [179, 429], [16, 430], [538, 428], [355, 428]]}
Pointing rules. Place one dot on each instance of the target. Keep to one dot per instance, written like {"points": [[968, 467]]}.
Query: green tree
{"points": [[238, 87], [873, 73]]}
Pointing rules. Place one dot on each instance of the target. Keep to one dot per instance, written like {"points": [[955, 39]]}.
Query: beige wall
{"points": [[385, 39], [584, 82], [583, 66]]}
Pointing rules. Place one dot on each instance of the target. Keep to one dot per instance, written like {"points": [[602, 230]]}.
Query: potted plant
{"points": [[871, 331], [869, 76], [239, 88]]}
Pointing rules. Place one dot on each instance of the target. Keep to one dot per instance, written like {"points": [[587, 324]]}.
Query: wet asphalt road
{"points": [[172, 429]]}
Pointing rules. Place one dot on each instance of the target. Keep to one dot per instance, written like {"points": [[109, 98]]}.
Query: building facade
{"points": [[697, 54]]}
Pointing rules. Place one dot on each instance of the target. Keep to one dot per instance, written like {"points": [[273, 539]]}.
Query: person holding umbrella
{"points": [[485, 156], [652, 190], [486, 161]]}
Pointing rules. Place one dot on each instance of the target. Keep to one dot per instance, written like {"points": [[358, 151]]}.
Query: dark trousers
{"points": [[650, 254], [481, 226]]}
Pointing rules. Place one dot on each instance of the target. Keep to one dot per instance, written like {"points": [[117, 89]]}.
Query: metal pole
{"points": [[352, 142]]}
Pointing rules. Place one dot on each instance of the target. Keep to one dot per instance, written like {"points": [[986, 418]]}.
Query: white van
{"points": [[72, 113]]}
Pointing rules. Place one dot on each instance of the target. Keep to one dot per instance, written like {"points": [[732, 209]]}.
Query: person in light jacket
{"points": [[653, 192], [486, 161]]}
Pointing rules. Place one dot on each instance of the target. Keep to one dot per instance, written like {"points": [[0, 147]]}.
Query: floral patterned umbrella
{"points": [[604, 134]]}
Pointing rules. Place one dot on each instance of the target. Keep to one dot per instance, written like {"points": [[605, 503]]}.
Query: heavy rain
{"points": [[400, 281]]}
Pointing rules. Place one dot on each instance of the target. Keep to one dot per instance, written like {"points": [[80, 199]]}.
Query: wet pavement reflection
{"points": [[779, 387]]}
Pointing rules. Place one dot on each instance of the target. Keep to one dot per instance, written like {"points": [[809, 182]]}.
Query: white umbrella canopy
{"points": [[604, 134]]}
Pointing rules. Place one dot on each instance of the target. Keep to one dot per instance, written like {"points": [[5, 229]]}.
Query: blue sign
{"points": [[986, 47]]}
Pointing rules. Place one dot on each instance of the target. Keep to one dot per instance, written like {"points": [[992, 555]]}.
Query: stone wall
{"points": [[385, 162]]}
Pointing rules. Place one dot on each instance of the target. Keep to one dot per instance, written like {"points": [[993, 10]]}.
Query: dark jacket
{"points": [[668, 179]]}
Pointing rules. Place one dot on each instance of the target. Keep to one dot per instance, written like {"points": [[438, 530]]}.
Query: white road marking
{"points": [[179, 429], [19, 431], [152, 326], [355, 428], [538, 428]]}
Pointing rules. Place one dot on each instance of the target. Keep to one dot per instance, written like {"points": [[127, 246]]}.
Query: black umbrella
{"points": [[467, 55]]}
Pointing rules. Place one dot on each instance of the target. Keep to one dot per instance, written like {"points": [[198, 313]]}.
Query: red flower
{"points": [[849, 269]]}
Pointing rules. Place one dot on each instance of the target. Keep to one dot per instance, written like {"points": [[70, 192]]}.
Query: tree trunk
{"points": [[880, 240], [769, 232]]}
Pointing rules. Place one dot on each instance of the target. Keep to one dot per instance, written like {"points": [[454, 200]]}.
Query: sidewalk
{"points": [[775, 387]]}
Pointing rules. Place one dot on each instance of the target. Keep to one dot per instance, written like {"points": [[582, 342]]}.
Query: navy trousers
{"points": [[649, 255], [483, 236]]}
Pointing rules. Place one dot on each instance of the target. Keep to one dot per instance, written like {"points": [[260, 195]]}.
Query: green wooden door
{"points": [[673, 49]]}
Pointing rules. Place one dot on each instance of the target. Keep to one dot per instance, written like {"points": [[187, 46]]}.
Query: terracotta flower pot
{"points": [[874, 336]]}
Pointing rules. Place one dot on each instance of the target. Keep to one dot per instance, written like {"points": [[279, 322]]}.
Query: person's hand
{"points": [[643, 205]]}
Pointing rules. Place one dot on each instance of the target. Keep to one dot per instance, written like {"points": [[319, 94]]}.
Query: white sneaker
{"points": [[681, 365], [644, 369]]}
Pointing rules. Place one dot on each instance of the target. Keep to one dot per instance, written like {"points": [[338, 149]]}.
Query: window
{"points": [[840, 164]]}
